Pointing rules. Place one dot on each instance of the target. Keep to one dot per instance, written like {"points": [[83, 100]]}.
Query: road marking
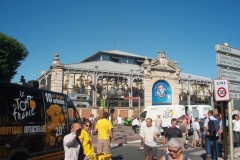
{"points": [[135, 141], [198, 152]]}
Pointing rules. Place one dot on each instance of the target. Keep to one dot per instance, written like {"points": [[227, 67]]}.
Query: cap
{"points": [[201, 119]]}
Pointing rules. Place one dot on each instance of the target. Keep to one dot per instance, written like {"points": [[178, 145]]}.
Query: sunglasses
{"points": [[174, 151], [87, 125]]}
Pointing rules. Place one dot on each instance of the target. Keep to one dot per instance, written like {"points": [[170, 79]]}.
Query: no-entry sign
{"points": [[221, 90]]}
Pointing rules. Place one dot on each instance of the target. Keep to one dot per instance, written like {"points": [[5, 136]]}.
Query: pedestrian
{"points": [[119, 123], [236, 130], [150, 133], [171, 132], [105, 131], [196, 132], [92, 120], [175, 146], [210, 124], [86, 139], [71, 143], [201, 135], [184, 129], [142, 125], [158, 123]]}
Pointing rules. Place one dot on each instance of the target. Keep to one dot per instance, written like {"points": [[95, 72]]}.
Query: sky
{"points": [[187, 30]]}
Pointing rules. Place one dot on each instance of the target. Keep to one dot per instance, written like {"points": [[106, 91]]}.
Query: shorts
{"points": [[103, 146], [119, 125], [150, 151], [159, 128], [202, 134], [195, 135]]}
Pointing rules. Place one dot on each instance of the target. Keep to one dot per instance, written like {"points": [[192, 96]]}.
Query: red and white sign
{"points": [[221, 90], [130, 98]]}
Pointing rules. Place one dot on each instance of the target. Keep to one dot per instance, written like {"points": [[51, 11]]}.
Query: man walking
{"points": [[158, 123], [211, 127], [142, 125], [196, 132], [105, 131], [184, 129], [236, 130], [119, 123], [150, 133], [171, 132], [72, 145]]}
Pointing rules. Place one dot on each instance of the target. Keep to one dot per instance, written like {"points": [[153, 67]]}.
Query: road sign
{"points": [[74, 96], [221, 90], [81, 103], [231, 75], [234, 87], [226, 49], [227, 61], [130, 98], [234, 95]]}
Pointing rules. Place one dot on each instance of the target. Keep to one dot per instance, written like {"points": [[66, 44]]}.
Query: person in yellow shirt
{"points": [[86, 140], [105, 131]]}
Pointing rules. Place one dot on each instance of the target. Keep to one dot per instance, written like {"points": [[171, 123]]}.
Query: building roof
{"points": [[108, 66], [115, 52]]}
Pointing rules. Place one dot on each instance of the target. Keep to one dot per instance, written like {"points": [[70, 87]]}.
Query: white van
{"points": [[199, 111], [167, 112]]}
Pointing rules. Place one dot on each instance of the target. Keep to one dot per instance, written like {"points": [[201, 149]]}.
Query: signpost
{"points": [[221, 90], [228, 58]]}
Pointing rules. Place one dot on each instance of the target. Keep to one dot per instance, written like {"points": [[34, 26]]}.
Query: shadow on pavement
{"points": [[119, 157]]}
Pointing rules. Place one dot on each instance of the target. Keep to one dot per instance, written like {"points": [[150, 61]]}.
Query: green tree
{"points": [[12, 53]]}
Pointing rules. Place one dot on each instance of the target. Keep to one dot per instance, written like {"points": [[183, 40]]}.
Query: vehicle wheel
{"points": [[21, 156], [136, 129]]}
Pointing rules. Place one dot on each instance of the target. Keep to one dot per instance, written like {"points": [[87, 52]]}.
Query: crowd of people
{"points": [[205, 130], [78, 144], [207, 133]]}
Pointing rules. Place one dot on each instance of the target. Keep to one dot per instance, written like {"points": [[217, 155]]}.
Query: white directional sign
{"points": [[226, 49], [234, 95], [221, 90], [234, 87], [227, 61], [231, 75], [75, 96]]}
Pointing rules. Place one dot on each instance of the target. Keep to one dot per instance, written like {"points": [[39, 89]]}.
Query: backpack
{"points": [[213, 127]]}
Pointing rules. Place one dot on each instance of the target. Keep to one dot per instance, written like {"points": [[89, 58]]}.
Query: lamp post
{"points": [[130, 85], [188, 90], [94, 86], [211, 93]]}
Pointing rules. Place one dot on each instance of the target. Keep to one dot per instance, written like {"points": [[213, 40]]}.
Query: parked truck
{"points": [[33, 122]]}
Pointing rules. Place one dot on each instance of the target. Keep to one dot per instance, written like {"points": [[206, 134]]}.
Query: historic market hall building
{"points": [[121, 80]]}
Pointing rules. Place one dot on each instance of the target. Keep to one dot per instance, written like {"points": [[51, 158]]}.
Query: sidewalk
{"points": [[121, 138]]}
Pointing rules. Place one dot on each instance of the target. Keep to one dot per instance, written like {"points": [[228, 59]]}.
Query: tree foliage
{"points": [[12, 53]]}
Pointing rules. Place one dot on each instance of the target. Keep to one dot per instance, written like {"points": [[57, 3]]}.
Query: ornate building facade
{"points": [[114, 76]]}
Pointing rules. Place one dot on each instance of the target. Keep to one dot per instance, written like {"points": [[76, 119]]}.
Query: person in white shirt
{"points": [[236, 130], [158, 123], [119, 123], [150, 133], [196, 132], [142, 125]]}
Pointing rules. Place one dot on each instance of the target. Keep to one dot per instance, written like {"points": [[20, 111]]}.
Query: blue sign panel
{"points": [[161, 93]]}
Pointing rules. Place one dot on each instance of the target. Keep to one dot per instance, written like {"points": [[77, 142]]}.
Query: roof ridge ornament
{"points": [[56, 61], [162, 59]]}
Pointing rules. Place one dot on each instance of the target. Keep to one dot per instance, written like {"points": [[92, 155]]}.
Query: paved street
{"points": [[128, 151]]}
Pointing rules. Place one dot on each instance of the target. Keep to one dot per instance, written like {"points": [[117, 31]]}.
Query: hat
{"points": [[201, 119]]}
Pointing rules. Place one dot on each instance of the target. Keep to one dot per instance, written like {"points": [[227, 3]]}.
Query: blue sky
{"points": [[186, 30]]}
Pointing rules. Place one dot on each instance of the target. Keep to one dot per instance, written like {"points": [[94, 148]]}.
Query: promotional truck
{"points": [[167, 112], [33, 122]]}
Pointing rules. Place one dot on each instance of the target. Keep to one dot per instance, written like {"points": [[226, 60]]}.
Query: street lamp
{"points": [[188, 90]]}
